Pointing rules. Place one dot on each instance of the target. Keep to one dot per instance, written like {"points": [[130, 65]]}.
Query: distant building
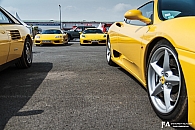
{"points": [[66, 25]]}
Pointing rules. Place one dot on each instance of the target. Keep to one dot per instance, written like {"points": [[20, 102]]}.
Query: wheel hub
{"points": [[162, 80]]}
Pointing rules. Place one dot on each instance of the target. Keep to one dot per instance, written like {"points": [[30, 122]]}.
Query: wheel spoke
{"points": [[28, 53], [157, 68], [166, 62], [158, 89], [167, 96], [108, 51], [174, 80]]}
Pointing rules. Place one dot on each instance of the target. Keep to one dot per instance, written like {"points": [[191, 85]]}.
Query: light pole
{"points": [[60, 16]]}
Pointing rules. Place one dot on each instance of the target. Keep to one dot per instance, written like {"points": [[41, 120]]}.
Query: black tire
{"points": [[25, 61], [166, 85], [108, 54]]}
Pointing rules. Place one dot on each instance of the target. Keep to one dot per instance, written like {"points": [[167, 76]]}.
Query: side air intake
{"points": [[15, 34]]}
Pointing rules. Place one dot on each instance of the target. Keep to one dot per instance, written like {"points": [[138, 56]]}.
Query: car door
{"points": [[130, 39], [4, 40]]}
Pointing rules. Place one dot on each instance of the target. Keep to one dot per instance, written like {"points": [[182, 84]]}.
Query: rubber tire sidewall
{"points": [[110, 62], [23, 63]]}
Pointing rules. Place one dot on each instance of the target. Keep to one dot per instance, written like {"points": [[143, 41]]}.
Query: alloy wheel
{"points": [[28, 52], [164, 80]]}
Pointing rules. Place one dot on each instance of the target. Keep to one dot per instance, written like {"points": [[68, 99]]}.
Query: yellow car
{"points": [[15, 42], [156, 44], [51, 36], [93, 36]]}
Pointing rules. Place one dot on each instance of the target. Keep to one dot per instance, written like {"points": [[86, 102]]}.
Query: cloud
{"points": [[101, 9], [121, 7], [71, 8], [116, 12]]}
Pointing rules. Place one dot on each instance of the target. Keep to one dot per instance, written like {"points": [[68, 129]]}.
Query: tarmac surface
{"points": [[73, 88]]}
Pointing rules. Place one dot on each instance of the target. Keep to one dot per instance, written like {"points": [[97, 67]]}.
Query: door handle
{"points": [[119, 24]]}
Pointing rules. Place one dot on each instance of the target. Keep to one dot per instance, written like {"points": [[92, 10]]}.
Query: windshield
{"points": [[92, 31], [169, 9], [51, 32]]}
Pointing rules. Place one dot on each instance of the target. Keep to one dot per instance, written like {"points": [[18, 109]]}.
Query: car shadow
{"points": [[93, 45], [17, 87], [53, 45], [132, 77]]}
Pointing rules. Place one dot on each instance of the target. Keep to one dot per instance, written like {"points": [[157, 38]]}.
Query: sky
{"points": [[71, 10]]}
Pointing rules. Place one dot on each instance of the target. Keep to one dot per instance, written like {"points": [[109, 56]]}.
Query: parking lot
{"points": [[73, 88]]}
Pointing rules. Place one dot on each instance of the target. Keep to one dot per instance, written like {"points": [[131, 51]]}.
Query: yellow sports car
{"points": [[156, 44], [15, 42], [51, 36], [93, 36]]}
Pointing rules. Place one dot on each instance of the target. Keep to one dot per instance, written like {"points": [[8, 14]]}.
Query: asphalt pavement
{"points": [[73, 88]]}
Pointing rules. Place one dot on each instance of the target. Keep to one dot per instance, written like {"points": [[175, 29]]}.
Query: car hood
{"points": [[45, 36], [94, 36]]}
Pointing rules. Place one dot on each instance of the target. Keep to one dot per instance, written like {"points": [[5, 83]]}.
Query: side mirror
{"points": [[136, 15]]}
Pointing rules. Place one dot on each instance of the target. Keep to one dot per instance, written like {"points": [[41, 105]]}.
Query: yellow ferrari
{"points": [[156, 44], [15, 42], [51, 36], [93, 36]]}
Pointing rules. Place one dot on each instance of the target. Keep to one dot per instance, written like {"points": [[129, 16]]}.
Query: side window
{"points": [[3, 18], [147, 11]]}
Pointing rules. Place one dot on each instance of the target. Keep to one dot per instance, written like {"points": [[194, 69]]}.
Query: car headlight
{"points": [[82, 35], [105, 35], [37, 36]]}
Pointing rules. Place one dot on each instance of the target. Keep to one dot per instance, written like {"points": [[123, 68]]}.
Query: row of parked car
{"points": [[86, 34], [16, 41]]}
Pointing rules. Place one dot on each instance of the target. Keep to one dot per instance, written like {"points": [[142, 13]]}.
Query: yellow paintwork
{"points": [[11, 49], [52, 38], [90, 38], [4, 45], [132, 42], [93, 37]]}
